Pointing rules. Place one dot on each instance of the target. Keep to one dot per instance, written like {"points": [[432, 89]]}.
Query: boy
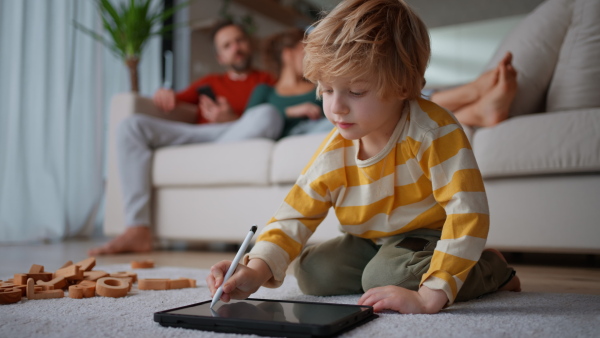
{"points": [[398, 171]]}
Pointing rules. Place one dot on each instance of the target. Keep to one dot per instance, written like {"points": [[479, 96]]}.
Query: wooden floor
{"points": [[538, 272]]}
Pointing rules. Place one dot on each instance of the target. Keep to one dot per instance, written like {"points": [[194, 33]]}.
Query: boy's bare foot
{"points": [[134, 239], [515, 283]]}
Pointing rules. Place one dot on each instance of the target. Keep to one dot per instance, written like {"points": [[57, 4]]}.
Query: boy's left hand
{"points": [[399, 299]]}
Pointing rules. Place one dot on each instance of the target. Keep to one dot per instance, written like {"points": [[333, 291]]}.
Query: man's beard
{"points": [[243, 65]]}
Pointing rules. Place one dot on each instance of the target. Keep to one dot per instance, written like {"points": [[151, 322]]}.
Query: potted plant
{"points": [[129, 27]]}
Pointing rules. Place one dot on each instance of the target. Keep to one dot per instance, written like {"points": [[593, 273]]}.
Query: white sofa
{"points": [[541, 170]]}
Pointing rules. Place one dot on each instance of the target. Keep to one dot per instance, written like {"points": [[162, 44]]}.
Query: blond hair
{"points": [[383, 40]]}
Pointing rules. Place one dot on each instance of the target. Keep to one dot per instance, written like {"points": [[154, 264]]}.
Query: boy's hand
{"points": [[245, 280], [403, 300], [216, 111]]}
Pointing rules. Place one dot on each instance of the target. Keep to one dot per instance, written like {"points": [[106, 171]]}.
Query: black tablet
{"points": [[268, 317]]}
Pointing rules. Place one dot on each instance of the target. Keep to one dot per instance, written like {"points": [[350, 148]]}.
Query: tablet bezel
{"points": [[265, 327]]}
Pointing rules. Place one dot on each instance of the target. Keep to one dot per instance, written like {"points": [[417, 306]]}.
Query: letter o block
{"points": [[112, 287], [10, 296]]}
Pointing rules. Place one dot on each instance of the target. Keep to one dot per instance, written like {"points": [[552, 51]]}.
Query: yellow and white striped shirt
{"points": [[426, 177]]}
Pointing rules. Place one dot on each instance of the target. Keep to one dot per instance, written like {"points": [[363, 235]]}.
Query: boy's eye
{"points": [[357, 93], [327, 91]]}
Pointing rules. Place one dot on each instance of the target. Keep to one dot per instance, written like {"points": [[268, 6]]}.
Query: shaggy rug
{"points": [[503, 314]]}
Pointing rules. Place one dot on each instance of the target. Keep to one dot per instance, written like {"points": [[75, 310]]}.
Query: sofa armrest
{"points": [[122, 106], [126, 104]]}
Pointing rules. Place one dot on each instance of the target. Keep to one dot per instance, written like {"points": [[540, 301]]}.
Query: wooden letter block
{"points": [[87, 264], [57, 283], [94, 275], [112, 287], [153, 284], [68, 263], [20, 279], [22, 288], [36, 268], [71, 273], [10, 296], [182, 283], [125, 274], [147, 264], [7, 285], [32, 294], [89, 288], [76, 291], [43, 276]]}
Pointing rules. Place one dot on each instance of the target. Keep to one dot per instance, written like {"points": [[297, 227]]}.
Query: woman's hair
{"points": [[275, 45], [381, 40]]}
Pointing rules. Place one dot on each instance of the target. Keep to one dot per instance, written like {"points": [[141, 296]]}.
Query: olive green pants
{"points": [[351, 265]]}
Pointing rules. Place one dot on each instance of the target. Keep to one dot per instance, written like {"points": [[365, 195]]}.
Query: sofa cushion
{"points": [[535, 44], [291, 155], [576, 81], [547, 143], [235, 163]]}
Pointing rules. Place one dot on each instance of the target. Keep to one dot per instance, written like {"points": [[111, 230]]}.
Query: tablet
{"points": [[268, 317]]}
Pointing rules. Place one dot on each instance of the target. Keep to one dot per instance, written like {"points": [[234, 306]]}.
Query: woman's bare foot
{"points": [[514, 284], [494, 106], [134, 239], [465, 96], [488, 80]]}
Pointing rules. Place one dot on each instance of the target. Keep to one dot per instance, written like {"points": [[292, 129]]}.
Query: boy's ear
{"points": [[403, 94]]}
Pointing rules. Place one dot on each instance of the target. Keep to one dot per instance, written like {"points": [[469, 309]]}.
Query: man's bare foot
{"points": [[514, 284], [134, 239]]}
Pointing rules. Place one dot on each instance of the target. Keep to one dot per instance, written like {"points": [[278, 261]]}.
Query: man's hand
{"points": [[164, 99], [245, 280], [216, 112], [403, 300], [307, 109]]}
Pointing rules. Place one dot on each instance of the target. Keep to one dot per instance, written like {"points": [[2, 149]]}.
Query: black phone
{"points": [[206, 90]]}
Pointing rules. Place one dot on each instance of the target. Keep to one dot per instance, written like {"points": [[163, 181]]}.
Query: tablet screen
{"points": [[274, 311]]}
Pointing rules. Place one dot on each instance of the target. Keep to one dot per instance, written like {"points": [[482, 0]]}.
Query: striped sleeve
{"points": [[446, 157], [303, 209]]}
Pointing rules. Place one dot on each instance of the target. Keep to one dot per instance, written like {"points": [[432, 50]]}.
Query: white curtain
{"points": [[55, 89]]}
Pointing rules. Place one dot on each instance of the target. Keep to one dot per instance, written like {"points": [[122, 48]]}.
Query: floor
{"points": [[538, 272]]}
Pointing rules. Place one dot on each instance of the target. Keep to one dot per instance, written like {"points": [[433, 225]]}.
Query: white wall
{"points": [[459, 53]]}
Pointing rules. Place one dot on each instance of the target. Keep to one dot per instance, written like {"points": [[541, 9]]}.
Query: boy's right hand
{"points": [[245, 280]]}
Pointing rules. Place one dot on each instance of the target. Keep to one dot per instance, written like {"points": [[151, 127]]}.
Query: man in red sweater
{"points": [[219, 120]]}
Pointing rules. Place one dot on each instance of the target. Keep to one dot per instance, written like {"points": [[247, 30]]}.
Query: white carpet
{"points": [[503, 314]]}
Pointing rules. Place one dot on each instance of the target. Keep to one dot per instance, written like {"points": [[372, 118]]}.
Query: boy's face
{"points": [[357, 112]]}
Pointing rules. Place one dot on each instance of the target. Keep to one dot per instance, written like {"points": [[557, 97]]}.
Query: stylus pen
{"points": [[234, 264]]}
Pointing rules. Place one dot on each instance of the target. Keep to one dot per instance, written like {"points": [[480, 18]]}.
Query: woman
{"points": [[292, 95]]}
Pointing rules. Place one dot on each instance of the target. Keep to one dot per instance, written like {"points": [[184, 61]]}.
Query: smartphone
{"points": [[206, 90]]}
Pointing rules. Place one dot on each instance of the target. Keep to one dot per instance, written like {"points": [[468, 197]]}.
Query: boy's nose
{"points": [[338, 106]]}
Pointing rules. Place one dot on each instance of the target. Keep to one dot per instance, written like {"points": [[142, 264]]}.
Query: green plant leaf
{"points": [[98, 38]]}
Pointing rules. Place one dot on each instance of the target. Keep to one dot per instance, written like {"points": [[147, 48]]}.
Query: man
{"points": [[220, 120]]}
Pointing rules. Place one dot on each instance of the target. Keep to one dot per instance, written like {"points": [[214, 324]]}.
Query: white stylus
{"points": [[234, 264]]}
